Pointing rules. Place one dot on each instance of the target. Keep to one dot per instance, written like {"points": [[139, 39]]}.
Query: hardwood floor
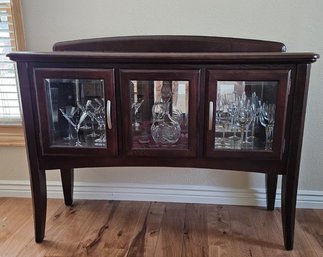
{"points": [[153, 229]]}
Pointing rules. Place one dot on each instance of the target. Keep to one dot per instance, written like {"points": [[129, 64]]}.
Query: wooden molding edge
{"points": [[12, 135], [18, 24], [162, 193]]}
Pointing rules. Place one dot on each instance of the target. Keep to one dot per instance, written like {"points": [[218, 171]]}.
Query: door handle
{"points": [[109, 114], [210, 115]]}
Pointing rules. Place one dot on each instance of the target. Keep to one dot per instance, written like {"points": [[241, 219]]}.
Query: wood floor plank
{"points": [[311, 226], [14, 213], [218, 231], [144, 244], [269, 232], [24, 235], [195, 241], [144, 229], [243, 233], [132, 216], [3, 199], [77, 228], [9, 210], [319, 232], [126, 223], [57, 227], [97, 229], [301, 246], [67, 227], [170, 240]]}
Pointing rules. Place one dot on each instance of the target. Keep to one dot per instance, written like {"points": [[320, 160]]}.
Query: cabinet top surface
{"points": [[168, 49], [165, 57]]}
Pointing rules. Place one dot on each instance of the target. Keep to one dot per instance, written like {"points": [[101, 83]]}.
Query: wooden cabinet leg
{"points": [[271, 185], [67, 176], [289, 194], [39, 197]]}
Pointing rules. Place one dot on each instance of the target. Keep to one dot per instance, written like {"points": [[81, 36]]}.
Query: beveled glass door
{"points": [[246, 112], [77, 108], [160, 112]]}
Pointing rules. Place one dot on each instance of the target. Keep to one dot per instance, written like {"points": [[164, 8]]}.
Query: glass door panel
{"points": [[247, 109], [245, 115], [159, 114], [76, 112]]}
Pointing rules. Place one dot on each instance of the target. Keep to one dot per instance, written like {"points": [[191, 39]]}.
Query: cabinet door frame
{"points": [[191, 75], [283, 76], [107, 75]]}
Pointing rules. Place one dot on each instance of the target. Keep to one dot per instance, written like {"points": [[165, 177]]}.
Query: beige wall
{"points": [[297, 23]]}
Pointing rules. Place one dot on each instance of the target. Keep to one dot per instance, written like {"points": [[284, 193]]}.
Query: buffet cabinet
{"points": [[173, 101]]}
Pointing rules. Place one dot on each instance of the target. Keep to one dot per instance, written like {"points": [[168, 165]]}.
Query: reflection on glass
{"points": [[245, 115], [76, 112], [159, 114]]}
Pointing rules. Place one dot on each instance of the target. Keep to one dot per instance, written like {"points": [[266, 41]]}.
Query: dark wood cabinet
{"points": [[260, 86], [176, 101], [62, 90]]}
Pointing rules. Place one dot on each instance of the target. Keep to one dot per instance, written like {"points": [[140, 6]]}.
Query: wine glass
{"points": [[244, 118], [75, 122], [100, 119], [233, 110], [89, 108], [69, 111], [255, 107], [267, 119], [135, 107], [224, 119]]}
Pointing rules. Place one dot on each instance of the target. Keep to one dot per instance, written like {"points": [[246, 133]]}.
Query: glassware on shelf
{"points": [[267, 119], [166, 126], [243, 100], [218, 111], [177, 115], [75, 121], [233, 110], [244, 120], [91, 108], [224, 120], [78, 101], [99, 116], [135, 107], [255, 108], [69, 111], [159, 114], [164, 129]]}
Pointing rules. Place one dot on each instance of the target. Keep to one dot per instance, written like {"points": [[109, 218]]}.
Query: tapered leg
{"points": [[271, 185], [294, 149], [39, 197], [289, 195], [67, 176]]}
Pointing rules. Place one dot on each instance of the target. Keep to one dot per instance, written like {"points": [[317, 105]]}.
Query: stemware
{"points": [[233, 110], [69, 111], [267, 119], [244, 118], [224, 119], [90, 108], [255, 108], [135, 107], [100, 119], [75, 122]]}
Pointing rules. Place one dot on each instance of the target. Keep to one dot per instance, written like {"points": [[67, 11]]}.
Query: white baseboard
{"points": [[163, 193]]}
